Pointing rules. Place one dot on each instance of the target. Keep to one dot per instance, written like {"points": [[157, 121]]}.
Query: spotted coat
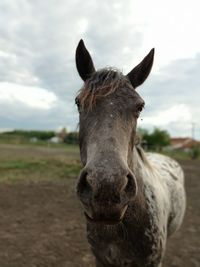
{"points": [[140, 240]]}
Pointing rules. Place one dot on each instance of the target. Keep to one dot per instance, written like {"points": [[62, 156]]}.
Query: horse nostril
{"points": [[83, 185], [131, 186]]}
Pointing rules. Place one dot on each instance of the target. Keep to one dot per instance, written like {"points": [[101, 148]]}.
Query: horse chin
{"points": [[106, 221]]}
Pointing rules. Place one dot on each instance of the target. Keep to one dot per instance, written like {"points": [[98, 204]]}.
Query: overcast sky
{"points": [[38, 79]]}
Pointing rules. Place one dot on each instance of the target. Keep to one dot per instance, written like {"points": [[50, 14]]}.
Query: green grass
{"points": [[21, 163], [20, 140], [33, 163], [68, 147], [179, 155], [35, 171], [9, 165]]}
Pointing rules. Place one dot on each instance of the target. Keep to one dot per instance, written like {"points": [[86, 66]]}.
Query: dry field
{"points": [[41, 223]]}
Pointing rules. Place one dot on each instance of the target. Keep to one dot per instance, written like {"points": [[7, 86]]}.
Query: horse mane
{"points": [[102, 83], [143, 157]]}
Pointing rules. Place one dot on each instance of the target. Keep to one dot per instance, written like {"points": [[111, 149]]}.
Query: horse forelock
{"points": [[102, 83]]}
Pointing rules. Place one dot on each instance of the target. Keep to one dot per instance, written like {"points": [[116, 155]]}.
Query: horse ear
{"points": [[84, 63], [139, 74]]}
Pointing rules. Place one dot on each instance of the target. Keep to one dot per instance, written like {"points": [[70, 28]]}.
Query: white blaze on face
{"points": [[33, 97]]}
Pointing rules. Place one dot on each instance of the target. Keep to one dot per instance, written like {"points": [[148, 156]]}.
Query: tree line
{"points": [[156, 139], [40, 135]]}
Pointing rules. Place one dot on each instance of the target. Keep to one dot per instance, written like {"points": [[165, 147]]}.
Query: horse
{"points": [[132, 200]]}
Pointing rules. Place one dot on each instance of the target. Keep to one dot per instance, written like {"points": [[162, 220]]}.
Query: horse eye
{"points": [[77, 102], [140, 108]]}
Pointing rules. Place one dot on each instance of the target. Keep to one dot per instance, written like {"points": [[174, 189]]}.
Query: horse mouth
{"points": [[101, 219]]}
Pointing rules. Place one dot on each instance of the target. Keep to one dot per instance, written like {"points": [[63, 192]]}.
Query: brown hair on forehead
{"points": [[102, 83]]}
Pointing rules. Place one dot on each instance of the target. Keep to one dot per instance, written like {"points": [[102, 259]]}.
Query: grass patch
{"points": [[26, 163], [20, 163], [179, 155], [37, 171], [22, 141], [9, 165]]}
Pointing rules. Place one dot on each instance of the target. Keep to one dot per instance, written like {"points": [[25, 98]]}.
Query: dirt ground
{"points": [[41, 225]]}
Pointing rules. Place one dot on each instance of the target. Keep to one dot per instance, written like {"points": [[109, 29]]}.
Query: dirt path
{"points": [[41, 225]]}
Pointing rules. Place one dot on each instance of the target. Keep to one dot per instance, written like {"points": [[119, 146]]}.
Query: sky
{"points": [[38, 77]]}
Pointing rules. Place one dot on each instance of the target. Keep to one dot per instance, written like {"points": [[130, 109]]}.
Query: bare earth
{"points": [[42, 225]]}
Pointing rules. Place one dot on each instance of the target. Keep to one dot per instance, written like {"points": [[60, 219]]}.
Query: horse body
{"points": [[132, 201], [140, 240]]}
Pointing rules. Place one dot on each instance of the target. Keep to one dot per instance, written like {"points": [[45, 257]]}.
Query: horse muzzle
{"points": [[105, 195]]}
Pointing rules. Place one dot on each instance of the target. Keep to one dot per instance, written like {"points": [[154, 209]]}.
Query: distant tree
{"points": [[71, 138], [142, 132], [40, 135], [157, 139], [195, 153]]}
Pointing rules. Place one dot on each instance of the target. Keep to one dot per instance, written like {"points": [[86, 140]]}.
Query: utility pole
{"points": [[193, 124], [193, 130]]}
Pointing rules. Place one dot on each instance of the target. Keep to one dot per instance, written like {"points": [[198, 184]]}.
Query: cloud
{"points": [[37, 51], [38, 98], [175, 113], [172, 97], [37, 46]]}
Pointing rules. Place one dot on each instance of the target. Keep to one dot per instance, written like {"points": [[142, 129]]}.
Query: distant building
{"points": [[55, 140], [183, 143], [33, 139], [62, 134]]}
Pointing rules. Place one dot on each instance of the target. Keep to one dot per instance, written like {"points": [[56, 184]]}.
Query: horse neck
{"points": [[136, 163]]}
